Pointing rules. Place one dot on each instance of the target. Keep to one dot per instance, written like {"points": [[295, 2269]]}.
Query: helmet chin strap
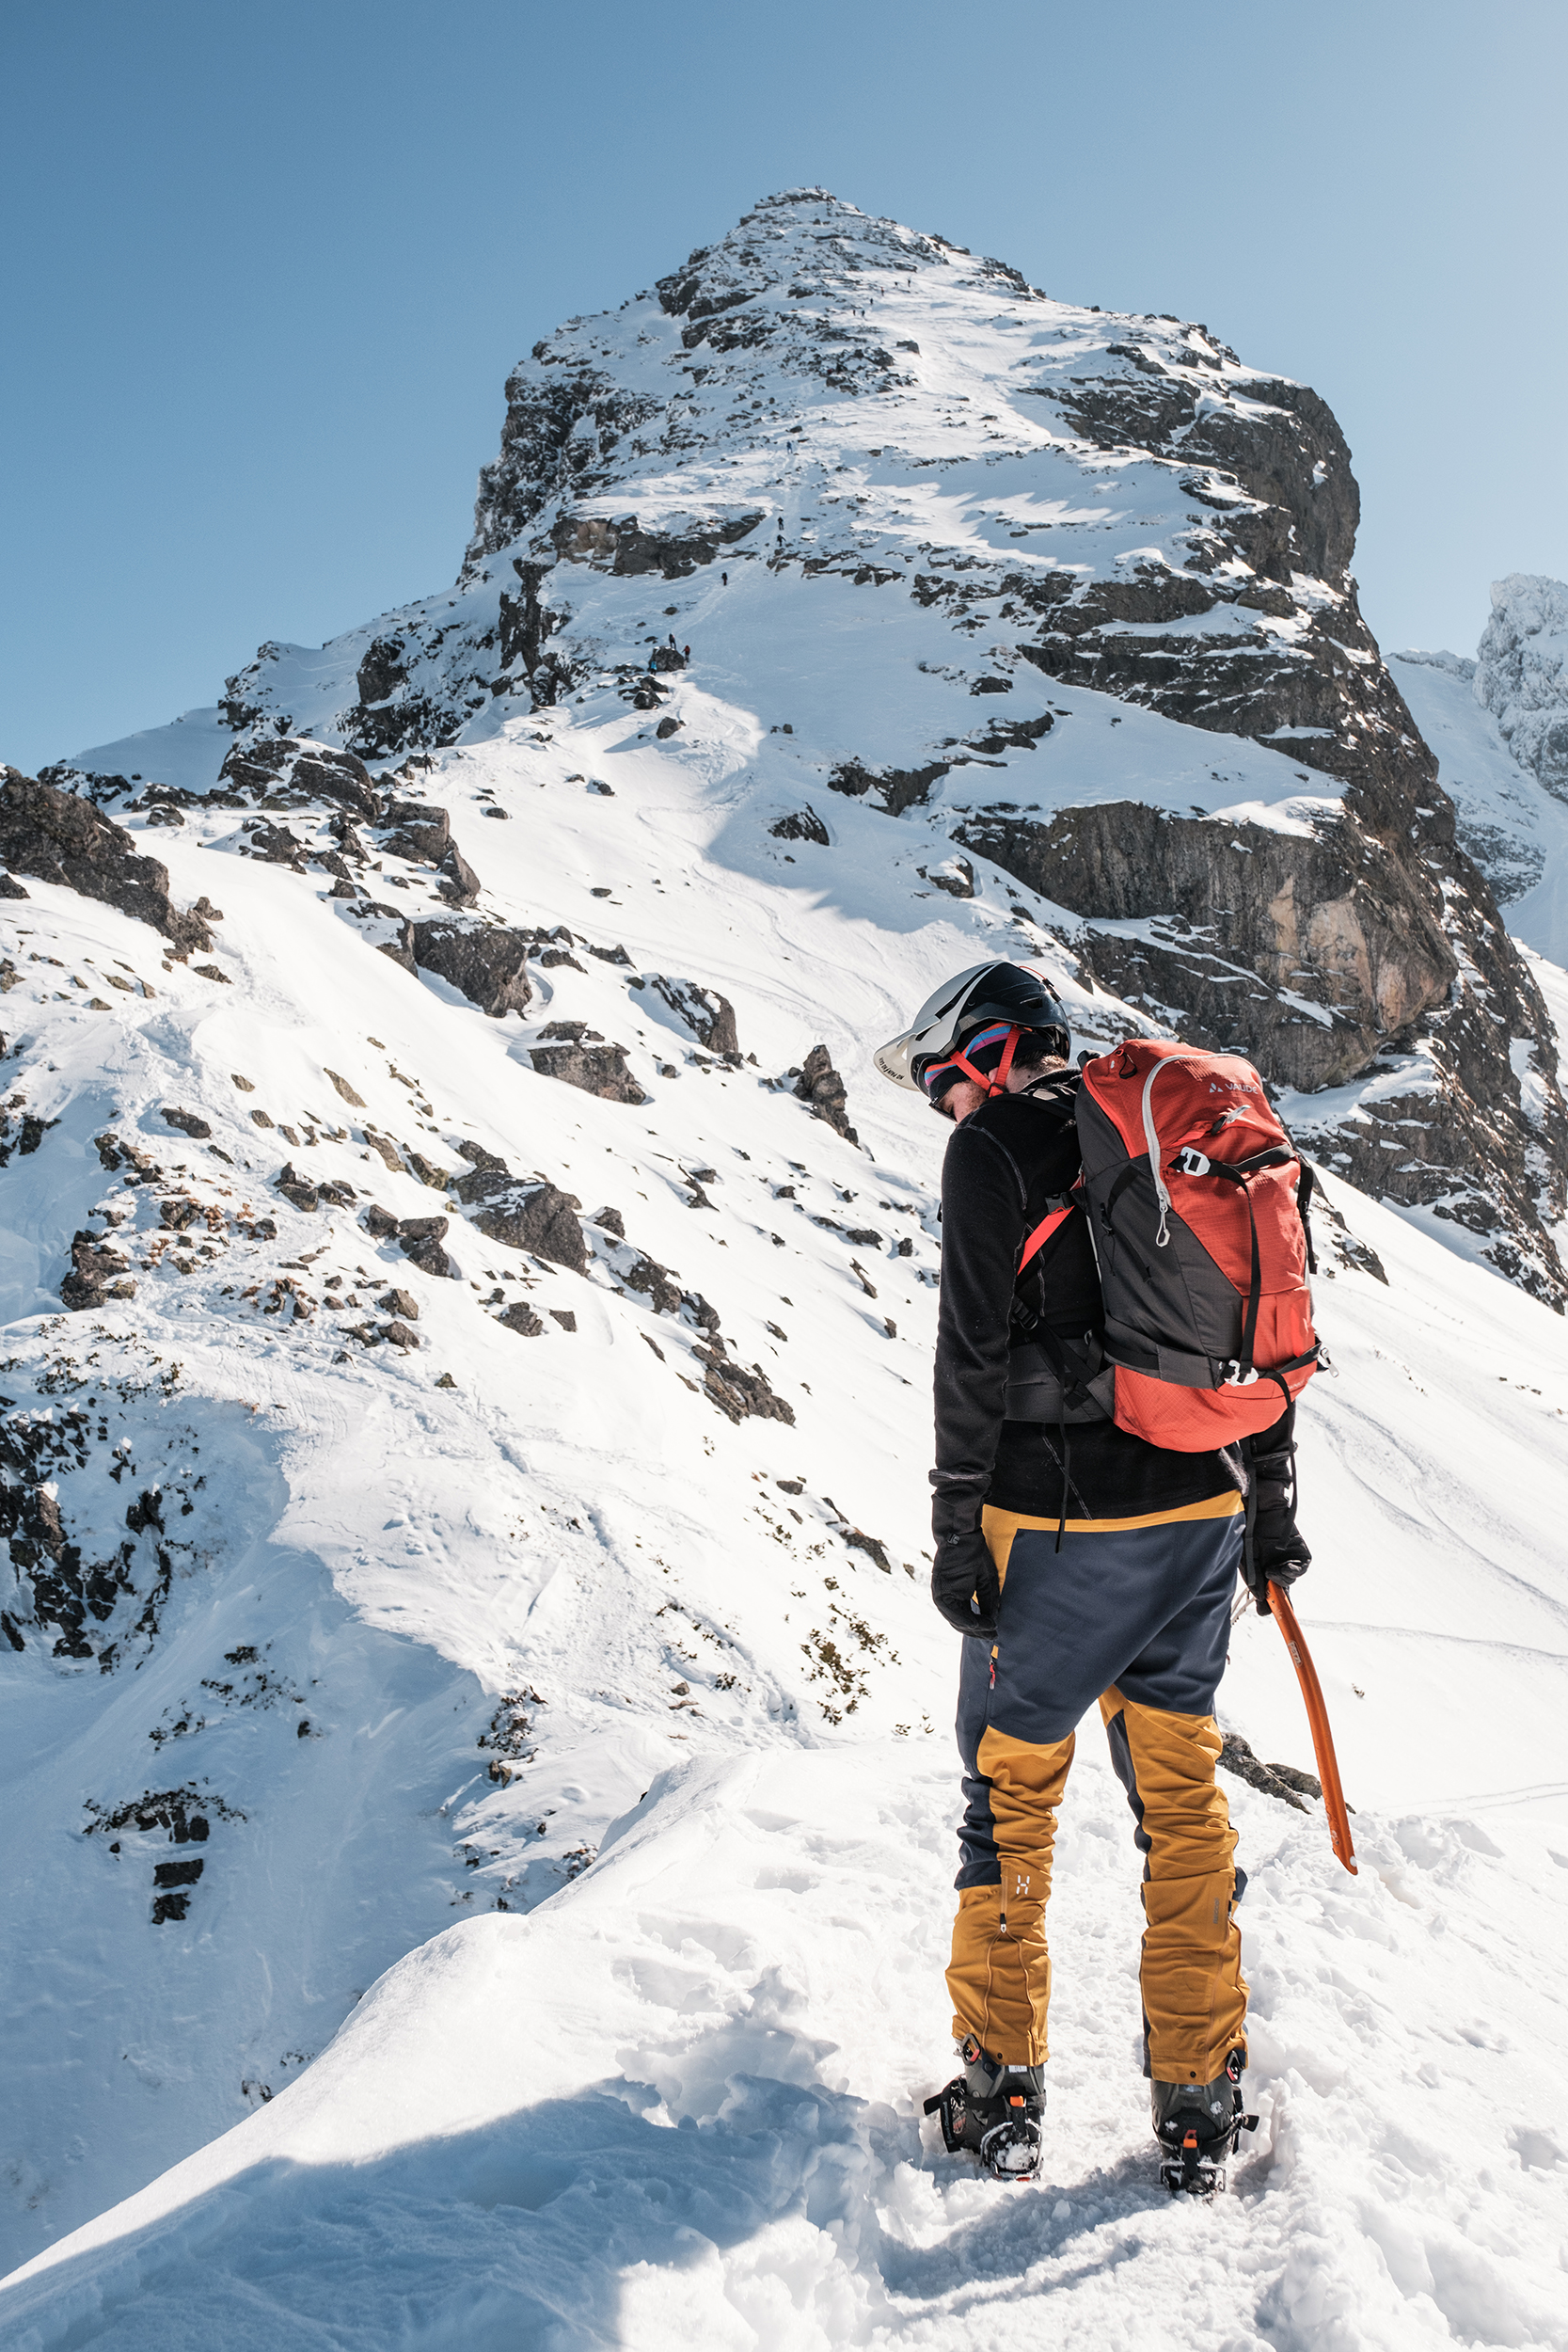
{"points": [[997, 1083]]}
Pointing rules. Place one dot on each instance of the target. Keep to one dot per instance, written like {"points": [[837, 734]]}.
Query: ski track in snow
{"points": [[564, 1965]]}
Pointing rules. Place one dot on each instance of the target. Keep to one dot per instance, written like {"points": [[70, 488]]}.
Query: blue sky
{"points": [[266, 267]]}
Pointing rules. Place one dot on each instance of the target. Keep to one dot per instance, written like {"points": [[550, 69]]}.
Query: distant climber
{"points": [[1082, 1564]]}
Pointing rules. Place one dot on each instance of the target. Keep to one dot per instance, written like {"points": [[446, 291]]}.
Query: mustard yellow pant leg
{"points": [[999, 1979], [1194, 1993]]}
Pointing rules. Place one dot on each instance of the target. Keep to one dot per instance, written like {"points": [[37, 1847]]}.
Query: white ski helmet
{"points": [[1013, 992]]}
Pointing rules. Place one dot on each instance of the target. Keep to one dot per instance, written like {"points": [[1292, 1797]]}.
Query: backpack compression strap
{"points": [[1043, 1231]]}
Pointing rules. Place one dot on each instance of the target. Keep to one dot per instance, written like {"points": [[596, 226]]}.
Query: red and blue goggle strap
{"points": [[994, 1083]]}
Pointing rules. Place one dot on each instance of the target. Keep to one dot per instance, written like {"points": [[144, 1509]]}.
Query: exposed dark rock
{"points": [[459, 883], [93, 1267], [527, 623], [397, 1334], [294, 763], [274, 843], [420, 1238], [819, 1084], [1328, 919], [1010, 734], [1348, 1246], [1275, 1780], [897, 788], [739, 1393], [115, 1153], [600, 1070], [379, 1223], [298, 1189], [348, 839], [611, 1221], [387, 929], [479, 1157], [488, 963], [1322, 956], [522, 1319], [178, 1873], [29, 1136], [401, 1303], [666, 728], [624, 548], [420, 833], [10, 887], [187, 1122], [382, 671], [957, 877], [341, 1087], [655, 1282], [56, 838], [537, 1218], [709, 1016], [565, 1316], [800, 825]]}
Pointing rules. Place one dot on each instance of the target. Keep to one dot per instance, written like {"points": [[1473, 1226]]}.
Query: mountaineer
{"points": [[1084, 1562]]}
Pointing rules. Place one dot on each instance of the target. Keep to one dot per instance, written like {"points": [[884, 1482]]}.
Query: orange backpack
{"points": [[1197, 1203]]}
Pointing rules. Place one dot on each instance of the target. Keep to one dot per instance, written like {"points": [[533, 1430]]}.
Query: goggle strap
{"points": [[996, 1084]]}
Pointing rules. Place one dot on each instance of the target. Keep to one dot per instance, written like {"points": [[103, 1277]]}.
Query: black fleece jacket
{"points": [[1004, 1163]]}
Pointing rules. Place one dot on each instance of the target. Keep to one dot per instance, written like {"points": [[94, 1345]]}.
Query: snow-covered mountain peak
{"points": [[1522, 674], [835, 508], [814, 339]]}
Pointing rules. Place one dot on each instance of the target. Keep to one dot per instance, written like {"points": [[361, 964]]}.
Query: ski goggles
{"points": [[986, 1060]]}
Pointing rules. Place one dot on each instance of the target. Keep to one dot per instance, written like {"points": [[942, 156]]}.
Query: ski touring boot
{"points": [[1198, 2125], [993, 2111]]}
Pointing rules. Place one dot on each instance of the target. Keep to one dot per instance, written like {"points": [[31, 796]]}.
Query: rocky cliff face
{"points": [[943, 533]]}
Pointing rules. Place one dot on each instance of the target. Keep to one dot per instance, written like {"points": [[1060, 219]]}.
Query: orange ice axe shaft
{"points": [[1317, 1715]]}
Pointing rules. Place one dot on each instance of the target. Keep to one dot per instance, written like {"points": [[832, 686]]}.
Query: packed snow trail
{"points": [[678, 2104]]}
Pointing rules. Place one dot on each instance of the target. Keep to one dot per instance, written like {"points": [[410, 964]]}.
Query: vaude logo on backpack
{"points": [[1196, 1203]]}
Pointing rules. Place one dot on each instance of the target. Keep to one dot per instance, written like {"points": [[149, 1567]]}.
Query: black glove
{"points": [[1277, 1563], [962, 1574], [1275, 1550]]}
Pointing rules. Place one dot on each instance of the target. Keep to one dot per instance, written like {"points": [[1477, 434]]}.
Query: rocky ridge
{"points": [[1062, 510]]}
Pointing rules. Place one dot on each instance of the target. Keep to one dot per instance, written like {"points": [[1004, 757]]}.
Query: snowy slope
{"points": [[414, 1554], [1514, 829], [504, 1658]]}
